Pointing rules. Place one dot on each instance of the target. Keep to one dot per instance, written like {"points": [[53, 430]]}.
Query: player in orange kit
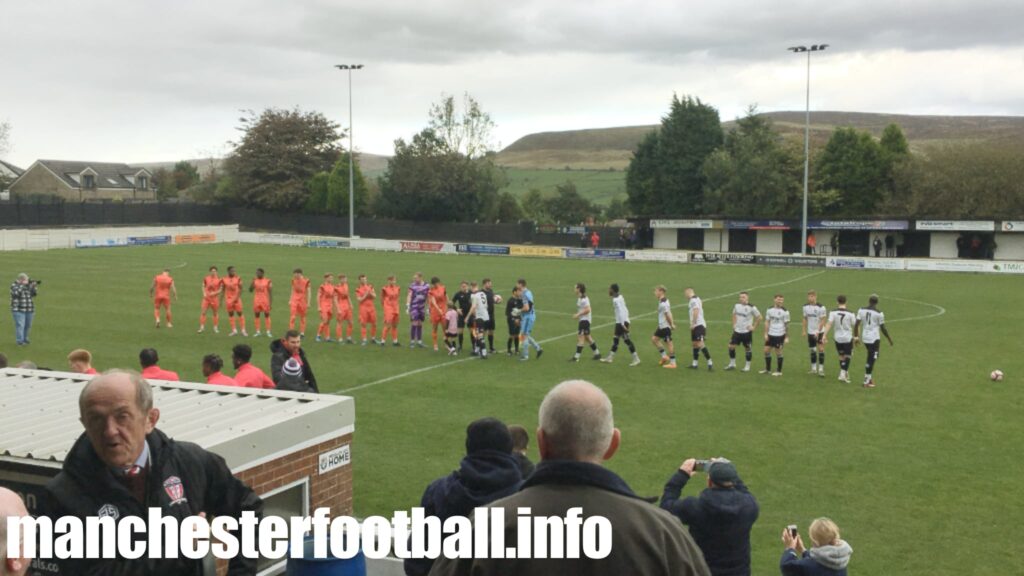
{"points": [[233, 301], [262, 290], [365, 295], [437, 301], [299, 302], [161, 292], [389, 296], [213, 288], [344, 314], [325, 304]]}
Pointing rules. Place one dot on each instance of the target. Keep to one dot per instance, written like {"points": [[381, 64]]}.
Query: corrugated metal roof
{"points": [[39, 416]]}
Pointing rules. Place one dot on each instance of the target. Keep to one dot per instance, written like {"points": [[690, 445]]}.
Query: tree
{"points": [[616, 209], [665, 176], [444, 173], [337, 188], [755, 173], [278, 154], [507, 208], [568, 206], [854, 165], [164, 182], [317, 201], [466, 131], [534, 206], [185, 175]]}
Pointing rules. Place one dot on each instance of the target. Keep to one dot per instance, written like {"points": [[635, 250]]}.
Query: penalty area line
{"points": [[563, 336]]}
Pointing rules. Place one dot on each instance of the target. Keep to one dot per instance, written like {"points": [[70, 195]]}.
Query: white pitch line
{"points": [[557, 313], [940, 309], [553, 338]]}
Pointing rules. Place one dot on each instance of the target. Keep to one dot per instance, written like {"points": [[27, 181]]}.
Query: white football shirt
{"points": [[745, 315], [815, 315], [696, 304], [621, 312], [872, 321], [842, 325], [582, 304], [664, 309], [777, 320], [480, 299]]}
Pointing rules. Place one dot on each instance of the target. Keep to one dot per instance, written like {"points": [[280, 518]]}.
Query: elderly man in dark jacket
{"points": [[576, 435], [122, 465], [487, 472], [290, 347], [720, 519]]}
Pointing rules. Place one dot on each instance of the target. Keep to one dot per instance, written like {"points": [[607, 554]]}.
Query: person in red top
{"points": [[212, 366], [595, 240], [247, 375], [213, 288], [299, 302], [161, 292], [365, 294], [148, 359], [344, 315], [233, 301], [262, 290], [437, 301], [389, 300], [80, 362], [325, 304]]}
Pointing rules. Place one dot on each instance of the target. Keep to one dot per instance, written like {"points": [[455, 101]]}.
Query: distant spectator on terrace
{"points": [[149, 360], [520, 441], [812, 243], [212, 366], [487, 472], [877, 245], [890, 245], [80, 362], [829, 554], [595, 240]]}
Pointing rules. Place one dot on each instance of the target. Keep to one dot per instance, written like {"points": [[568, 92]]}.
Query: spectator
{"points": [[246, 374], [487, 472], [583, 239], [812, 243], [595, 240], [520, 440], [291, 347], [291, 379], [3, 361], [877, 245], [122, 463], [23, 307], [80, 362], [828, 556], [576, 435], [11, 561], [890, 245], [835, 244], [148, 358], [720, 519], [212, 366]]}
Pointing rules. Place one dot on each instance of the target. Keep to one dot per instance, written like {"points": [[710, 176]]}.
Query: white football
{"points": [[497, 298], [996, 375]]}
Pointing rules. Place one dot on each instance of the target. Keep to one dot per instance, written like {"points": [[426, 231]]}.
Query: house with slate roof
{"points": [[80, 181]]}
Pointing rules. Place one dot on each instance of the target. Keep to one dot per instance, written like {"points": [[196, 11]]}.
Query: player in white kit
{"points": [[841, 321], [813, 326], [621, 327], [873, 322], [662, 337], [776, 335], [584, 314], [481, 316], [698, 328], [745, 319]]}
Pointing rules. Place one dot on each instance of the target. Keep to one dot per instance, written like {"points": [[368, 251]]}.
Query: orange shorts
{"points": [[261, 307], [345, 313], [435, 318], [211, 304], [234, 305], [391, 316], [367, 315], [299, 307], [165, 302], [326, 314]]}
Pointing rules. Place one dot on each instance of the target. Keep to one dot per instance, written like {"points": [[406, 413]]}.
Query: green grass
{"points": [[598, 186], [920, 473]]}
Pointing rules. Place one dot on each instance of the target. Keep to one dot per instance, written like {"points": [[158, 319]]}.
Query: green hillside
{"points": [[599, 186]]}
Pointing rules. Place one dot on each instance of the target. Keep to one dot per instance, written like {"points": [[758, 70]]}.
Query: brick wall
{"points": [[331, 490]]}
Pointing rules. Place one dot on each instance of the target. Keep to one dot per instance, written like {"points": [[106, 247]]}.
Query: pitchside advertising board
{"points": [[536, 251], [148, 240], [422, 246], [759, 225], [858, 224], [101, 243], [1012, 226], [989, 266], [812, 261], [672, 256], [687, 224], [724, 257], [866, 263], [325, 243], [487, 249], [598, 254], [955, 225]]}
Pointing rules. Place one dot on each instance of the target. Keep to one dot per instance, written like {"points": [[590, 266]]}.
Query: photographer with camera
{"points": [[23, 307], [719, 519], [829, 554]]}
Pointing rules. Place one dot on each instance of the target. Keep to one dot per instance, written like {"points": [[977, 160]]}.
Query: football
{"points": [[516, 312], [497, 298], [996, 375]]}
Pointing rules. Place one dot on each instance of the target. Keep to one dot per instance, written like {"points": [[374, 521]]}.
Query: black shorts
{"points": [[489, 324], [622, 330], [583, 328], [479, 324], [450, 334], [873, 349], [814, 339], [776, 342], [513, 325], [664, 334], [844, 348], [697, 333], [462, 321], [744, 338]]}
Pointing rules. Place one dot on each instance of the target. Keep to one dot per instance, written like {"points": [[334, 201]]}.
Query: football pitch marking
{"points": [[554, 338], [939, 310]]}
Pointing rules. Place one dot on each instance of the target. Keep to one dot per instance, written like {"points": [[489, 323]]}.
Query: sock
{"points": [[821, 359], [615, 344], [362, 331], [268, 323], [241, 322], [707, 353], [202, 320], [814, 357], [768, 362], [256, 322], [460, 340], [749, 355], [662, 352], [291, 321], [483, 349], [578, 350], [302, 325], [632, 347], [696, 355], [231, 320], [216, 319], [778, 360], [168, 315], [490, 341], [156, 314], [373, 330], [732, 355], [672, 359], [433, 336]]}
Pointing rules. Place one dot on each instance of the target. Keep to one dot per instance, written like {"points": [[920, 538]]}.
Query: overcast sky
{"points": [[148, 80]]}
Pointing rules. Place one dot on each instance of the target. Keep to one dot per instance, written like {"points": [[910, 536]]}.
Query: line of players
{"points": [[471, 307]]}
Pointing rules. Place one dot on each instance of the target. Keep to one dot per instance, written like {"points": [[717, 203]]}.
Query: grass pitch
{"points": [[921, 474]]}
